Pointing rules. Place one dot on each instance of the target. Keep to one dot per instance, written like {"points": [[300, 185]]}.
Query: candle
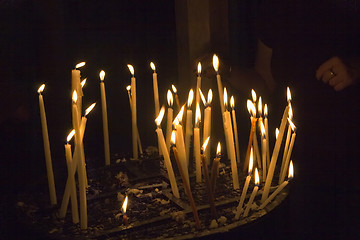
{"points": [[186, 183], [281, 187], [274, 156], [180, 142], [71, 177], [48, 161], [197, 143], [198, 84], [207, 180], [232, 105], [239, 208], [134, 113], [286, 163], [215, 168], [207, 119], [253, 194], [156, 90], [128, 88], [255, 142], [266, 123], [189, 126], [252, 111], [260, 121], [123, 210], [105, 118], [219, 83], [167, 161], [263, 150], [169, 120], [176, 96], [76, 85], [287, 141]]}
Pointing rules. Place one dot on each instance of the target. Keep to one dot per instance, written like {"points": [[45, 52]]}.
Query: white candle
{"points": [[252, 111], [281, 187], [232, 104], [189, 126], [253, 194], [105, 119], [207, 120], [219, 83], [176, 96], [156, 90], [215, 168], [263, 151], [198, 84], [128, 88], [48, 161], [266, 123], [165, 153], [239, 208], [286, 163], [169, 120], [274, 156], [197, 143], [287, 141], [134, 113], [76, 85]]}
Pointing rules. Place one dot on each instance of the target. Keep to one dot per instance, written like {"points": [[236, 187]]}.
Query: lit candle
{"points": [[167, 161], [219, 83], [156, 90], [287, 141], [281, 187], [253, 194], [76, 85], [263, 150], [207, 119], [128, 88], [239, 208], [48, 161], [215, 168], [252, 111], [176, 96], [232, 105], [134, 113], [189, 125], [169, 120], [230, 141], [207, 179], [266, 123], [83, 82], [198, 84], [197, 143], [105, 118], [286, 163], [123, 210], [274, 156], [255, 142], [186, 183]]}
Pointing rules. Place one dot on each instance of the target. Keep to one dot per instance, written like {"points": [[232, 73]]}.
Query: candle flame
{"points": [[205, 143], [232, 102], [251, 108], [180, 114], [175, 123], [225, 97], [102, 75], [41, 88], [218, 150], [74, 96], [288, 94], [128, 87], [292, 125], [70, 136], [197, 115], [170, 98], [83, 82], [202, 97], [190, 98], [291, 170], [290, 111], [209, 96], [257, 178], [277, 133], [199, 68], [265, 110], [251, 161], [88, 110], [79, 65], [131, 69], [216, 62], [152, 65], [124, 206], [262, 127], [260, 106], [174, 88], [160, 116], [173, 138], [253, 94]]}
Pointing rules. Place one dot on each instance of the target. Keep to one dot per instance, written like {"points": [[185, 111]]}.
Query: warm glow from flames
{"points": [[265, 110], [170, 98], [277, 133], [216, 63], [128, 87], [88, 110], [83, 82], [262, 127], [152, 65], [225, 97], [218, 150], [124, 206], [209, 96], [251, 108], [202, 97], [292, 125], [180, 114], [79, 65], [173, 137], [288, 94], [70, 136], [190, 98], [291, 170], [131, 69], [232, 102], [257, 178], [199, 68], [253, 94], [260, 106], [74, 96], [102, 75], [160, 116], [290, 111], [251, 161], [205, 144], [41, 88], [174, 88], [197, 115]]}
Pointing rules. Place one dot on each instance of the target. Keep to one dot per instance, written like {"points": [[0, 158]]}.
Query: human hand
{"points": [[336, 73]]}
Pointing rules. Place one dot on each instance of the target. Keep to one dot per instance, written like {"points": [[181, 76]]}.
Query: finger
{"points": [[334, 81], [340, 86], [326, 66], [327, 76]]}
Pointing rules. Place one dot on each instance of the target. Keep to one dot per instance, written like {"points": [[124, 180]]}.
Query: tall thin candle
{"points": [[207, 119], [252, 111], [189, 125], [197, 143], [105, 118], [170, 113], [237, 147], [134, 113], [198, 84], [156, 90], [215, 168], [286, 163]]}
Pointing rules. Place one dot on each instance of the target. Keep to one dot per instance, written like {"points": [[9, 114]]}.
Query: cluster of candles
{"points": [[178, 140]]}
